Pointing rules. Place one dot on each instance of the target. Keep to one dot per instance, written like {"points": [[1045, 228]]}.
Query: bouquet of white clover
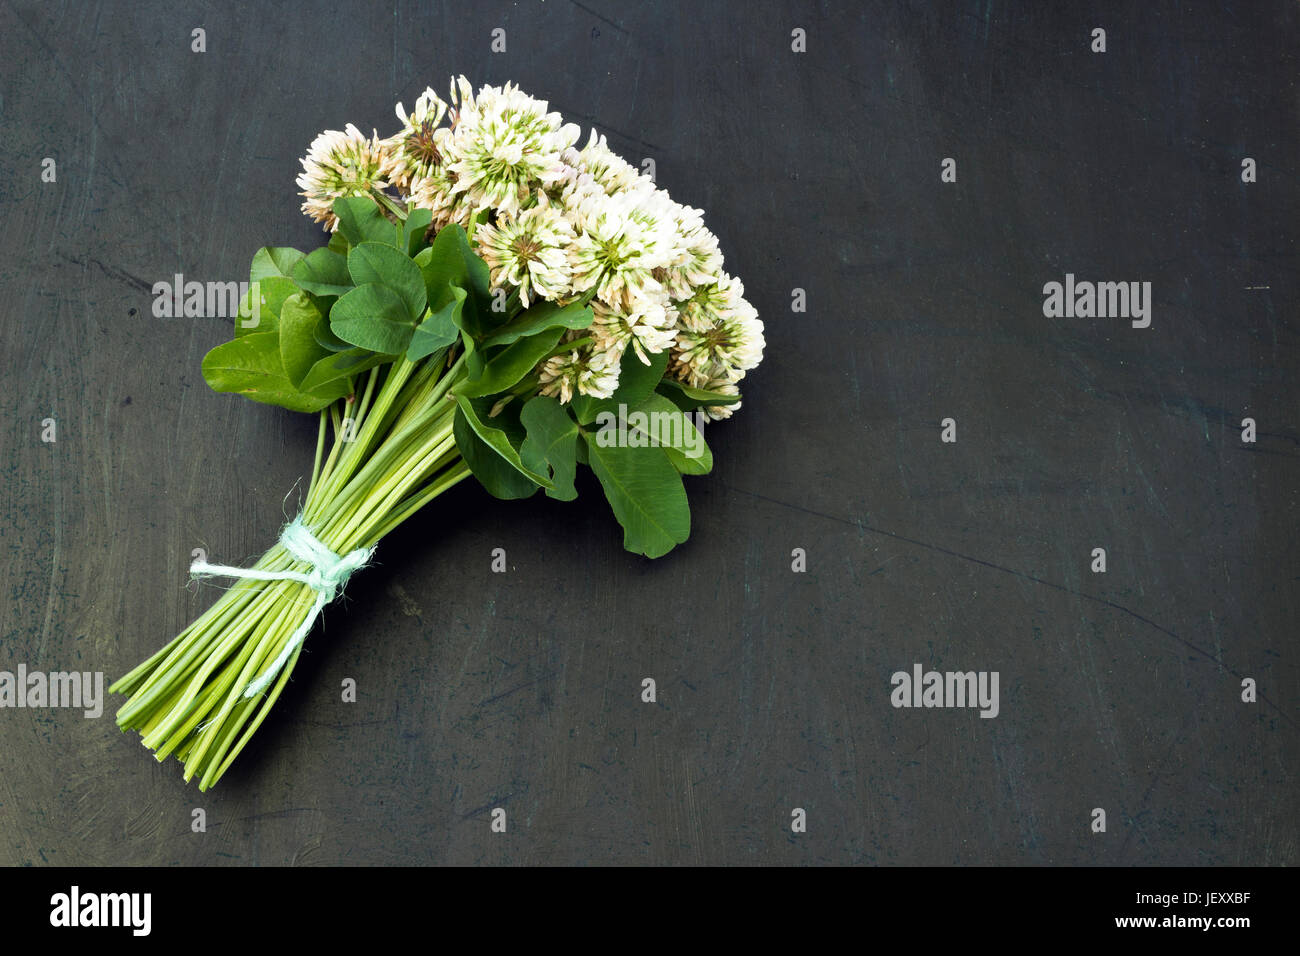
{"points": [[493, 301]]}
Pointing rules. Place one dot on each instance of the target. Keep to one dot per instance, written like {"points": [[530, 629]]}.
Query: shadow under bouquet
{"points": [[493, 301]]}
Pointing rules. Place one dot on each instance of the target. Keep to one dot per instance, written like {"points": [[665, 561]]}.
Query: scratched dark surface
{"points": [[820, 171]]}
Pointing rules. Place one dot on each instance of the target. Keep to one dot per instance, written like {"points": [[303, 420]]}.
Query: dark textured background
{"points": [[818, 171]]}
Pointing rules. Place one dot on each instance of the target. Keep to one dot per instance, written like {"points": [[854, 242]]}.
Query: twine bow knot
{"points": [[327, 575]]}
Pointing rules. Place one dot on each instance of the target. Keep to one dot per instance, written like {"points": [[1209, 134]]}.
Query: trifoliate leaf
{"points": [[509, 365], [251, 366], [497, 441], [439, 329], [498, 476], [552, 440], [323, 272], [647, 496], [373, 317], [361, 220], [374, 262], [271, 261]]}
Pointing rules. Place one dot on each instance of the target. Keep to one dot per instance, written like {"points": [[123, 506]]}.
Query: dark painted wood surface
{"points": [[819, 171]]}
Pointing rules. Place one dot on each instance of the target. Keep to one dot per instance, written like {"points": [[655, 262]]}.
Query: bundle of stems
{"points": [[392, 452]]}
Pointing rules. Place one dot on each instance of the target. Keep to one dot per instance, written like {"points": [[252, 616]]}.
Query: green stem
{"points": [[187, 699], [568, 347], [455, 474], [320, 447], [387, 202]]}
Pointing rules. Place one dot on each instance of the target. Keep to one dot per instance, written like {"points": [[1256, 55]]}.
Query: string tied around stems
{"points": [[329, 572]]}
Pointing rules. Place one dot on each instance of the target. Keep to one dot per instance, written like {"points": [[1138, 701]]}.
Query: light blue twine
{"points": [[329, 572]]}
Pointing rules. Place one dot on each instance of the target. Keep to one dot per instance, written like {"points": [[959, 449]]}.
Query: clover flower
{"points": [[645, 325], [718, 413], [695, 259], [338, 165], [710, 303], [579, 372], [527, 252], [505, 145], [725, 351], [606, 168], [616, 252], [413, 150]]}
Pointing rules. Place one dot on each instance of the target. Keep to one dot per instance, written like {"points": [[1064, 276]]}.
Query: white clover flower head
{"points": [[528, 252], [581, 197], [695, 260], [504, 147], [579, 372], [644, 324], [435, 193], [656, 212], [610, 171], [709, 304], [616, 252], [340, 164], [744, 337], [413, 150], [724, 352], [718, 412]]}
